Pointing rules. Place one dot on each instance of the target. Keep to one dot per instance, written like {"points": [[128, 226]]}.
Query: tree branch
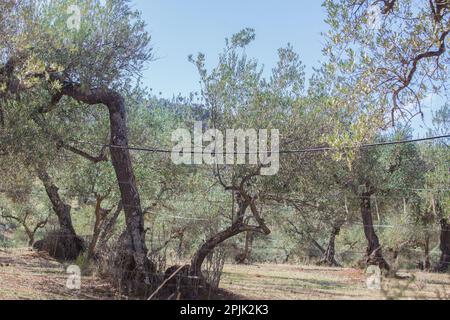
{"points": [[61, 144]]}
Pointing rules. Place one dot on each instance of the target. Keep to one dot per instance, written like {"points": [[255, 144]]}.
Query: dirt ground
{"points": [[290, 282], [28, 275]]}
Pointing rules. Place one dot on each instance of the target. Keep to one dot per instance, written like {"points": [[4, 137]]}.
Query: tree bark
{"points": [[30, 236], [249, 236], [329, 255], [444, 262], [2, 117], [100, 216], [108, 228], [64, 244], [208, 247], [374, 253], [61, 209], [244, 256], [133, 250], [426, 260], [239, 226]]}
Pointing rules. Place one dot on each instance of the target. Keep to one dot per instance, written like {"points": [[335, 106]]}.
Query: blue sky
{"points": [[180, 28]]}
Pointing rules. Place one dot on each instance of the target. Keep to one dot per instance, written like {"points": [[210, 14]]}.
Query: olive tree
{"points": [[88, 64]]}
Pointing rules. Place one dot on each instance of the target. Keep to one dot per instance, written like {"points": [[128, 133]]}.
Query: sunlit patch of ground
{"points": [[290, 282]]}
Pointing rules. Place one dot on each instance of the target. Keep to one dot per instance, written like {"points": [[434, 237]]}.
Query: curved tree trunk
{"points": [[444, 262], [238, 227], [208, 247], [133, 250], [374, 253]]}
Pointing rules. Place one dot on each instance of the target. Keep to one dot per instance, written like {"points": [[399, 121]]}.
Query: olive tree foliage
{"points": [[238, 96], [108, 50], [50, 63], [388, 56]]}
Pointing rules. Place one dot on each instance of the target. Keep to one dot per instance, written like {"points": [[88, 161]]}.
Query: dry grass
{"points": [[290, 282], [28, 275]]}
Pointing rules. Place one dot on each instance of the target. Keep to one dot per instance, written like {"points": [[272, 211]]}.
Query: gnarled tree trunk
{"points": [[63, 244], [239, 226], [134, 250], [131, 259], [374, 254], [208, 247], [61, 209]]}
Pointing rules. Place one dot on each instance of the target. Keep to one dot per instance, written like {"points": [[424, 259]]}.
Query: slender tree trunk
{"points": [[329, 255], [108, 228], [180, 247], [288, 256], [374, 252], [30, 235], [2, 117], [244, 257], [426, 260], [444, 262], [248, 245], [100, 216]]}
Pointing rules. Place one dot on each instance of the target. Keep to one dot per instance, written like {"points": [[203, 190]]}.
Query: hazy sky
{"points": [[179, 28]]}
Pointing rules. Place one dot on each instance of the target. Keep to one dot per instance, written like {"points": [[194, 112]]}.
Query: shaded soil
{"points": [[27, 275]]}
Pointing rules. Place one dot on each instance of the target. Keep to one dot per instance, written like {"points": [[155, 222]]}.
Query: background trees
{"points": [[333, 194], [436, 195], [391, 53]]}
